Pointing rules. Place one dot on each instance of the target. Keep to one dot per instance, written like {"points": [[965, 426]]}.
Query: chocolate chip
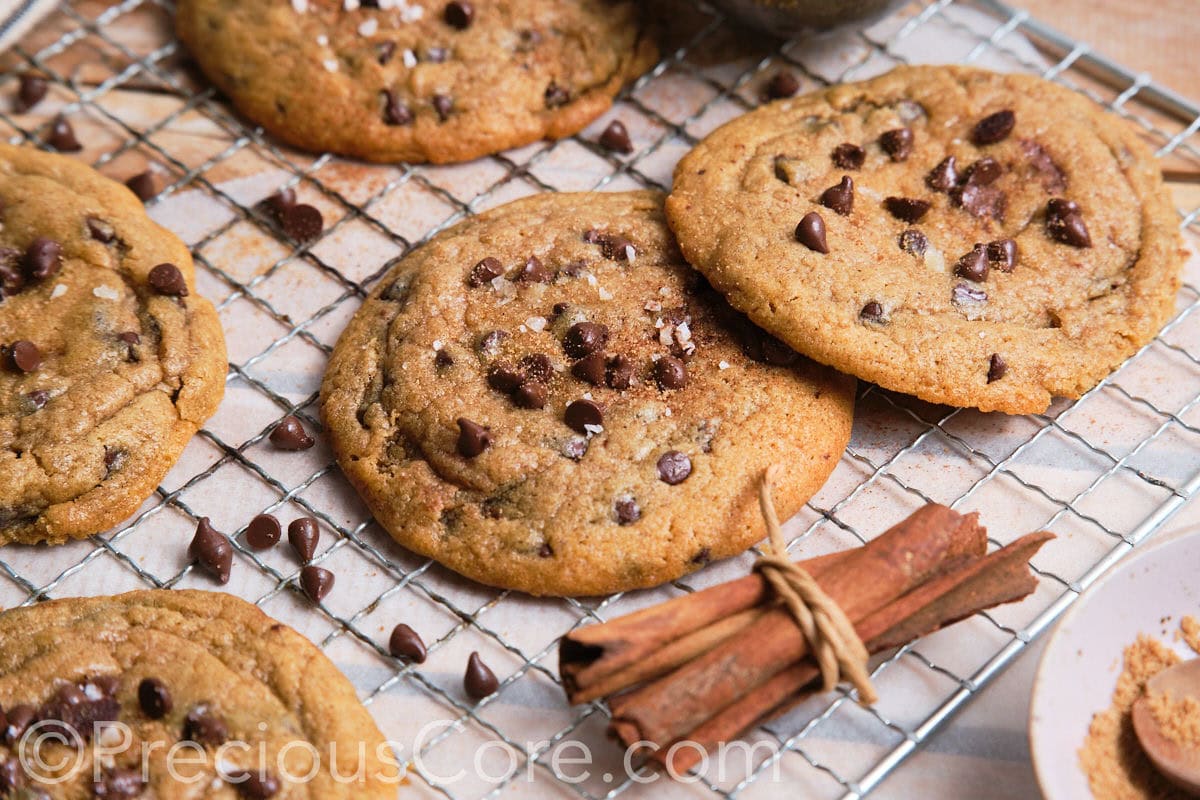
{"points": [[535, 271], [980, 201], [406, 643], [782, 84], [22, 356], [585, 338], [906, 209], [703, 556], [118, 783], [848, 156], [944, 176], [545, 551], [205, 727], [302, 222], [12, 778], [897, 143], [1064, 222], [1048, 173], [155, 698], [871, 312], [280, 202], [479, 681], [616, 138], [316, 582], [556, 96], [994, 127], [17, 719], [840, 198], [144, 185], [255, 785], [385, 53], [43, 258], [303, 535], [443, 105], [166, 279], [62, 136], [983, 172], [591, 368], [212, 550], [290, 435], [670, 373], [996, 368], [973, 265], [395, 110], [263, 532], [473, 438], [575, 449], [459, 14], [37, 399], [1002, 254], [537, 367], [964, 294], [777, 353], [114, 459], [504, 378], [30, 92], [811, 232], [619, 374], [674, 467], [531, 394], [490, 342], [129, 337], [627, 511], [582, 414], [100, 230], [613, 246], [485, 271]]}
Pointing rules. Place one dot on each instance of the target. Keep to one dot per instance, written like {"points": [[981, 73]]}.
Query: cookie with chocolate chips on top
{"points": [[109, 360], [595, 423], [971, 238], [191, 694], [406, 81]]}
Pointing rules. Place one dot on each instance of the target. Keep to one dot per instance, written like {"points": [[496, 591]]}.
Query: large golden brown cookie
{"points": [[547, 398], [206, 696], [971, 238], [408, 81], [111, 361]]}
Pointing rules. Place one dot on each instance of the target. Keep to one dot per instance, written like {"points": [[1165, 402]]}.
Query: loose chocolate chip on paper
{"points": [[973, 265], [583, 414], [316, 582], [144, 185], [670, 372], [848, 156], [61, 136], [459, 14], [897, 143], [994, 127], [155, 698], [302, 222], [303, 535], [616, 138], [406, 643], [479, 681], [944, 176], [43, 258], [212, 550], [810, 232], [907, 209], [674, 467], [996, 368], [473, 438], [290, 435], [23, 356], [782, 84], [839, 198], [30, 92], [263, 532], [166, 279], [280, 202], [485, 271], [1002, 254]]}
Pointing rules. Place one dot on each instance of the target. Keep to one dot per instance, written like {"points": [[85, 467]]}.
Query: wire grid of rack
{"points": [[1105, 472]]}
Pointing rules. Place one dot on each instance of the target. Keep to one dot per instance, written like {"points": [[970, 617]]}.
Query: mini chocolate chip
{"points": [[560, 308], [43, 258], [581, 414], [585, 338], [23, 356], [871, 312], [302, 222], [840, 198], [485, 271], [316, 582], [848, 156], [556, 96], [303, 535], [166, 279], [443, 105], [212, 550], [154, 698], [994, 127], [406, 643], [627, 511], [897, 143], [674, 467], [255, 785], [996, 368], [385, 53], [619, 374], [782, 84], [811, 232], [62, 136], [1064, 222], [280, 202], [906, 209], [205, 727], [545, 551], [575, 449], [114, 459], [473, 438], [537, 367], [531, 394], [670, 373], [395, 110], [118, 783], [616, 138], [591, 368], [263, 532], [535, 271], [1002, 254], [703, 556], [983, 172], [290, 435], [504, 378], [944, 176], [479, 681], [964, 294], [30, 92], [144, 185], [459, 14], [490, 342], [100, 230], [973, 265], [442, 359]]}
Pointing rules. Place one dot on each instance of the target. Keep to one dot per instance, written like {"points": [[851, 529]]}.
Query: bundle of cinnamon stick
{"points": [[705, 667]]}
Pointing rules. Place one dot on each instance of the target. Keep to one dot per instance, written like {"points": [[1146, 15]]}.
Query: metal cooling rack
{"points": [[1121, 483]]}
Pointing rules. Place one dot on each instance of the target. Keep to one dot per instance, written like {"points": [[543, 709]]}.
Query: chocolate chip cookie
{"points": [[547, 398], [109, 361], [971, 238], [219, 699], [409, 81]]}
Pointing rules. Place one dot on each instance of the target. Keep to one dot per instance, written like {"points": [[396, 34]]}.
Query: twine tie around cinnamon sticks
{"points": [[832, 640]]}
